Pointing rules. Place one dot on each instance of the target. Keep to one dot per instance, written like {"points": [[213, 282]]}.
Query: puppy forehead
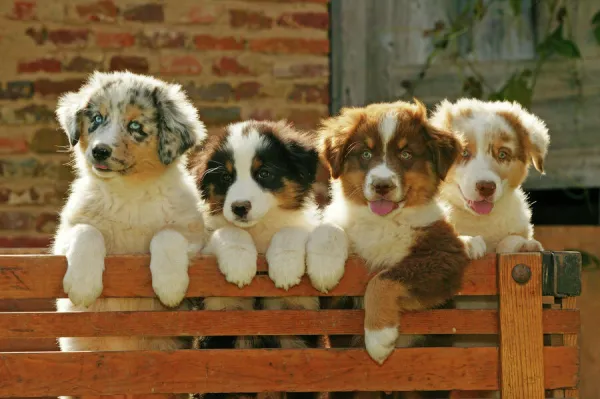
{"points": [[244, 142], [484, 128], [121, 95]]}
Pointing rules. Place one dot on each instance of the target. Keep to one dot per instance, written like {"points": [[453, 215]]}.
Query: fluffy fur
{"points": [[256, 179], [387, 162], [485, 202], [132, 194]]}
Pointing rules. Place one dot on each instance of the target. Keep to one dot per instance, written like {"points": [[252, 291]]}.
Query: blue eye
{"points": [[98, 119], [133, 125]]}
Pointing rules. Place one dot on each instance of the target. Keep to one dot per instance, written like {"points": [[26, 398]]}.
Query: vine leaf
{"points": [[516, 7], [555, 43], [517, 88], [596, 23], [596, 18], [472, 87], [597, 33]]}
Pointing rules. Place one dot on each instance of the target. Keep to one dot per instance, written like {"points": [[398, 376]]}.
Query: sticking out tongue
{"points": [[382, 207], [481, 207], [103, 167]]}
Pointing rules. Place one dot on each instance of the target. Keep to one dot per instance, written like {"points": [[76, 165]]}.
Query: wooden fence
{"points": [[522, 367]]}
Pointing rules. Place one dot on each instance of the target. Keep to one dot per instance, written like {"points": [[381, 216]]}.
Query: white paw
{"points": [[286, 268], [381, 343], [530, 246], [326, 254], [238, 264], [83, 280], [475, 246], [169, 266]]}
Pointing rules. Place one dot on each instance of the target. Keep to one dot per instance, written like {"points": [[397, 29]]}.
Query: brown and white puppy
{"points": [[256, 180], [129, 135], [387, 162], [483, 189]]}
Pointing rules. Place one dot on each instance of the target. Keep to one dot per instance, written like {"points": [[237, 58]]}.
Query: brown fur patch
{"points": [[384, 300], [287, 198]]}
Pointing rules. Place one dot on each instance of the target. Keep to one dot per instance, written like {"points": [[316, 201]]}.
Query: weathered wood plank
{"points": [[521, 329], [24, 277], [142, 372], [281, 322]]}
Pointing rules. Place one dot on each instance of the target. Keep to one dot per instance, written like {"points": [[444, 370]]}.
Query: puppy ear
{"points": [[332, 154], [335, 133], [179, 128], [69, 112], [444, 147], [304, 156]]}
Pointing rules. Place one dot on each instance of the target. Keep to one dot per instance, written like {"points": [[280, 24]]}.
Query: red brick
{"points": [[202, 15], [131, 63], [300, 70], [220, 91], [15, 220], [28, 114], [16, 90], [306, 93], [163, 39], [98, 11], [82, 64], [68, 36], [226, 66], [13, 146], [25, 242], [247, 90], [180, 65], [207, 42], [48, 65], [46, 223], [306, 118], [46, 87], [23, 10], [145, 13], [219, 116], [290, 46], [48, 141], [249, 19], [114, 39], [316, 20], [56, 170], [34, 195]]}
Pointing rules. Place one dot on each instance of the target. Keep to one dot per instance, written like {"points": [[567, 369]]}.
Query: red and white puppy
{"points": [[387, 162], [483, 189]]}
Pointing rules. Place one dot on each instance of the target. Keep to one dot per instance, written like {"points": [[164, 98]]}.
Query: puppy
{"points": [[132, 194], [387, 162], [483, 190], [256, 181]]}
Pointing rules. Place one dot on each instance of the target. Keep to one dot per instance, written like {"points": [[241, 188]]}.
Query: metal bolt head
{"points": [[521, 273]]}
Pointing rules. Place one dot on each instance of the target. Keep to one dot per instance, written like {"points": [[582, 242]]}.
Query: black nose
{"points": [[241, 208], [383, 187], [101, 152]]}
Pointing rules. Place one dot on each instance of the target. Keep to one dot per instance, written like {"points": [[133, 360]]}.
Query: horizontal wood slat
{"points": [[260, 322], [140, 372], [40, 276]]}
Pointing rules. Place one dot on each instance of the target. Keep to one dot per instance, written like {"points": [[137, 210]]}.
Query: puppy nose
{"points": [[241, 208], [382, 187], [486, 188], [101, 152]]}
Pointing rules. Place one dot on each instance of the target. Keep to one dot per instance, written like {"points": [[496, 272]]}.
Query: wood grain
{"points": [[259, 322], [31, 276], [571, 340], [521, 329], [142, 372]]}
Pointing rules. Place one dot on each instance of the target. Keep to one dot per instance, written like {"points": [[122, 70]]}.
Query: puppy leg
{"points": [[286, 257], [515, 243], [169, 266], [85, 250], [236, 254], [475, 246], [326, 254]]}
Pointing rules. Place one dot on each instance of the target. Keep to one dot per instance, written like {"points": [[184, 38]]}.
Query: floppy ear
{"points": [[69, 112], [332, 154], [444, 147], [179, 128], [335, 133], [538, 137], [303, 155]]}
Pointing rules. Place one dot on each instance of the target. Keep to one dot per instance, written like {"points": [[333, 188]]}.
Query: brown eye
{"points": [[406, 155]]}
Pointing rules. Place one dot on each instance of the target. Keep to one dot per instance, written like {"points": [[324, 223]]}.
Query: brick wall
{"points": [[237, 60]]}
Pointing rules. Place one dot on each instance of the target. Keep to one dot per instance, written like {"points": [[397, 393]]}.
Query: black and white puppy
{"points": [[256, 182]]}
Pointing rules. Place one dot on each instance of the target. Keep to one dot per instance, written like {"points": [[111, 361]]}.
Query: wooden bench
{"points": [[537, 357]]}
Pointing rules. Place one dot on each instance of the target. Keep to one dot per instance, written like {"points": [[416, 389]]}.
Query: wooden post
{"points": [[521, 329]]}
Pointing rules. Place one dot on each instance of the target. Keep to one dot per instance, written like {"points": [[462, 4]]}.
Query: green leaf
{"points": [[596, 18], [472, 87], [516, 7], [516, 88], [566, 48], [597, 33], [555, 43]]}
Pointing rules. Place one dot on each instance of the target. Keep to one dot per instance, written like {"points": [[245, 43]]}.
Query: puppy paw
{"points": [[170, 278], [326, 254], [238, 265], [530, 246], [475, 246], [286, 257], [381, 343]]}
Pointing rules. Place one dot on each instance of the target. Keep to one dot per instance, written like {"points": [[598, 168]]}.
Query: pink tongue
{"points": [[101, 166], [481, 207], [382, 207]]}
